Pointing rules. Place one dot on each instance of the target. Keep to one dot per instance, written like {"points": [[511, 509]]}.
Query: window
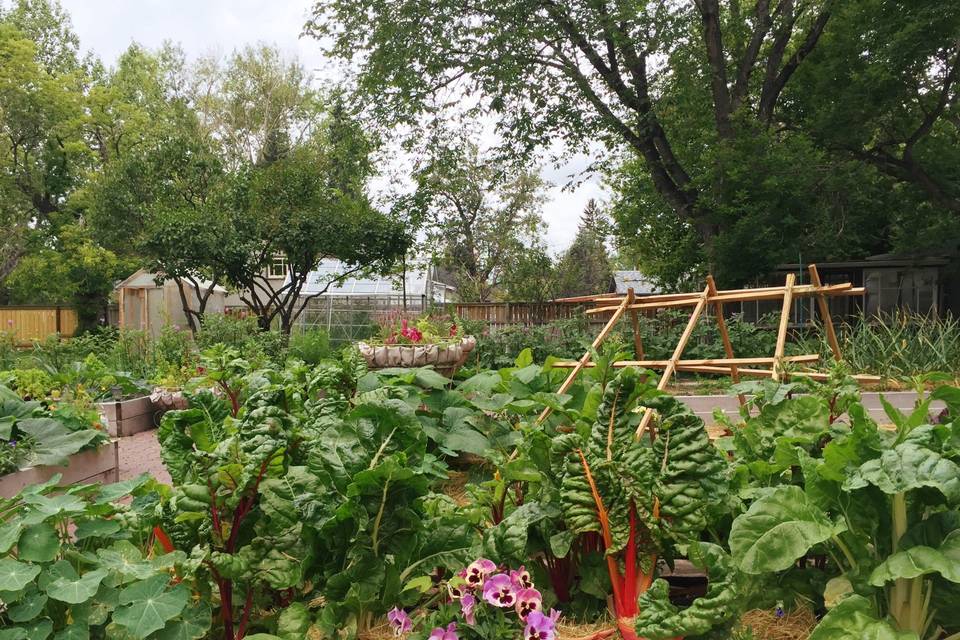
{"points": [[278, 268]]}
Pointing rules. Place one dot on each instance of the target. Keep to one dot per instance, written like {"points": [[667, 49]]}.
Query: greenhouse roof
{"points": [[385, 286]]}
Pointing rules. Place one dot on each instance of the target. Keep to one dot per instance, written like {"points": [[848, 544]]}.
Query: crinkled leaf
{"points": [[908, 466], [855, 619], [777, 529]]}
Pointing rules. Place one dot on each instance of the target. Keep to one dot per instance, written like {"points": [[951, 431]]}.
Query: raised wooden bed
{"points": [[127, 417], [100, 465], [704, 406]]}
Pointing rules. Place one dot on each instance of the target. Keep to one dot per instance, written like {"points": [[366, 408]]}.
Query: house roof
{"points": [[143, 279], [635, 280]]}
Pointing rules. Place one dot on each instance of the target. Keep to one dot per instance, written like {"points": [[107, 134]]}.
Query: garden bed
{"points": [[127, 417], [704, 406], [97, 465]]}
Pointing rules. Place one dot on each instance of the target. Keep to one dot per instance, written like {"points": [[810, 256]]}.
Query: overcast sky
{"points": [[200, 26]]}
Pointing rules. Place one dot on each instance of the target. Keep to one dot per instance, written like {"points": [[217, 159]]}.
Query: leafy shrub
{"points": [[243, 334], [311, 346]]}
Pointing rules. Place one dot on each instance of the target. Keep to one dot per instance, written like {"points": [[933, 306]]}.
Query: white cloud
{"points": [[108, 27]]}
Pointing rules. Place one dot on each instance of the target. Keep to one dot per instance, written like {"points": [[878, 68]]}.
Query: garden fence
{"points": [[28, 323]]}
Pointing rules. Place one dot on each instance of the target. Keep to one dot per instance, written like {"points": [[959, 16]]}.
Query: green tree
{"points": [[585, 267], [531, 277], [712, 99], [480, 217]]}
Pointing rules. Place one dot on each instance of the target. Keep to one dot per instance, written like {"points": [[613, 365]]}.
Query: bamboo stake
{"points": [[766, 373], [725, 336], [825, 314], [607, 328], [784, 323], [677, 352], [714, 362], [635, 322]]}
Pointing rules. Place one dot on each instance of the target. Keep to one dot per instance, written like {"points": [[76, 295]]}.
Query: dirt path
{"points": [[141, 453]]}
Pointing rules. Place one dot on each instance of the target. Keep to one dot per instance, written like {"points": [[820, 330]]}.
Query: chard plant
{"points": [[873, 511], [77, 564]]}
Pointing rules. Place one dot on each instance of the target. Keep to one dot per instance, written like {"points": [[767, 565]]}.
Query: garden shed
{"points": [[148, 302]]}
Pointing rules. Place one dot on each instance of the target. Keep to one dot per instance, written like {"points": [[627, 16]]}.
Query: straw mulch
{"points": [[765, 625]]}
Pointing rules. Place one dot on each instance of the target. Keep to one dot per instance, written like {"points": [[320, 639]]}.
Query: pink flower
{"points": [[521, 578], [400, 621], [477, 571], [453, 330], [450, 634], [467, 604], [541, 627], [528, 601], [499, 591]]}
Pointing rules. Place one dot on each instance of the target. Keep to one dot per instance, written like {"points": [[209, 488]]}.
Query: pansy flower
{"points": [[467, 603], [450, 633], [400, 621], [477, 572], [528, 600], [457, 587], [499, 591], [540, 627], [521, 578]]}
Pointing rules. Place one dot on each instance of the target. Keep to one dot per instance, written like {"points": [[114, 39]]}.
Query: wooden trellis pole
{"points": [[825, 313], [724, 335], [784, 324]]}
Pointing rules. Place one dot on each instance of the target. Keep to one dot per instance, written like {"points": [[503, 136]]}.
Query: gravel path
{"points": [[141, 452]]}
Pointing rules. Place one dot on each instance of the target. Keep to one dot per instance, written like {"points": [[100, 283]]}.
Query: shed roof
{"points": [[628, 279], [143, 279]]}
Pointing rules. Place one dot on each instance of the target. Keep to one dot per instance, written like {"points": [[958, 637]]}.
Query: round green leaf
{"points": [[38, 543], [148, 605], [855, 619], [15, 575], [76, 591], [28, 608], [777, 529]]}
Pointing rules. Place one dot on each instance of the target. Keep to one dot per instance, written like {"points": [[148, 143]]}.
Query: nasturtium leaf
{"points": [[920, 561], [38, 629], [6, 426], [117, 490], [855, 619], [76, 591], [15, 633], [194, 623], [777, 529], [47, 506], [9, 534], [909, 466], [97, 610], [125, 559], [55, 442], [28, 608], [15, 575], [96, 529], [147, 606], [38, 543], [76, 631]]}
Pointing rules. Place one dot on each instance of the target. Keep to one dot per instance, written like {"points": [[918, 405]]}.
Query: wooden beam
{"points": [[845, 289], [607, 328], [660, 364], [120, 316], [825, 314], [766, 373], [677, 353], [784, 324], [725, 336], [635, 323], [666, 297]]}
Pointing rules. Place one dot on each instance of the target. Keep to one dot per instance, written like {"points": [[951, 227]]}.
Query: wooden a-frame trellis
{"points": [[735, 367]]}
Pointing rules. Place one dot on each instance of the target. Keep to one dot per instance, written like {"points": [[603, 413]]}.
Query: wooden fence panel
{"points": [[503, 314], [27, 324]]}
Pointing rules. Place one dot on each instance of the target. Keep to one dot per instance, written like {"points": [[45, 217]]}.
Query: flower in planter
{"points": [[528, 601], [449, 634], [540, 626], [499, 591], [478, 571], [400, 621]]}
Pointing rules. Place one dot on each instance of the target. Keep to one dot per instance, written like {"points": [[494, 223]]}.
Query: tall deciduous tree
{"points": [[480, 217]]}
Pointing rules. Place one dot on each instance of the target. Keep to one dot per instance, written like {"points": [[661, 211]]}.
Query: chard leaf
{"points": [[908, 466], [55, 442], [920, 561], [855, 619], [777, 529]]}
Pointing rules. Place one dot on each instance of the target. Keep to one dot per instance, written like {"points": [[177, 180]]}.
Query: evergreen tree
{"points": [[585, 267]]}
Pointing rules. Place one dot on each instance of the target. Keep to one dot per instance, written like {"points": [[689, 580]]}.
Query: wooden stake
{"points": [[677, 352], [607, 328], [714, 362], [825, 314], [766, 373], [725, 336], [784, 323], [635, 322]]}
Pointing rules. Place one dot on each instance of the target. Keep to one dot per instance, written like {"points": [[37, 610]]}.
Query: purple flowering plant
{"points": [[482, 602]]}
